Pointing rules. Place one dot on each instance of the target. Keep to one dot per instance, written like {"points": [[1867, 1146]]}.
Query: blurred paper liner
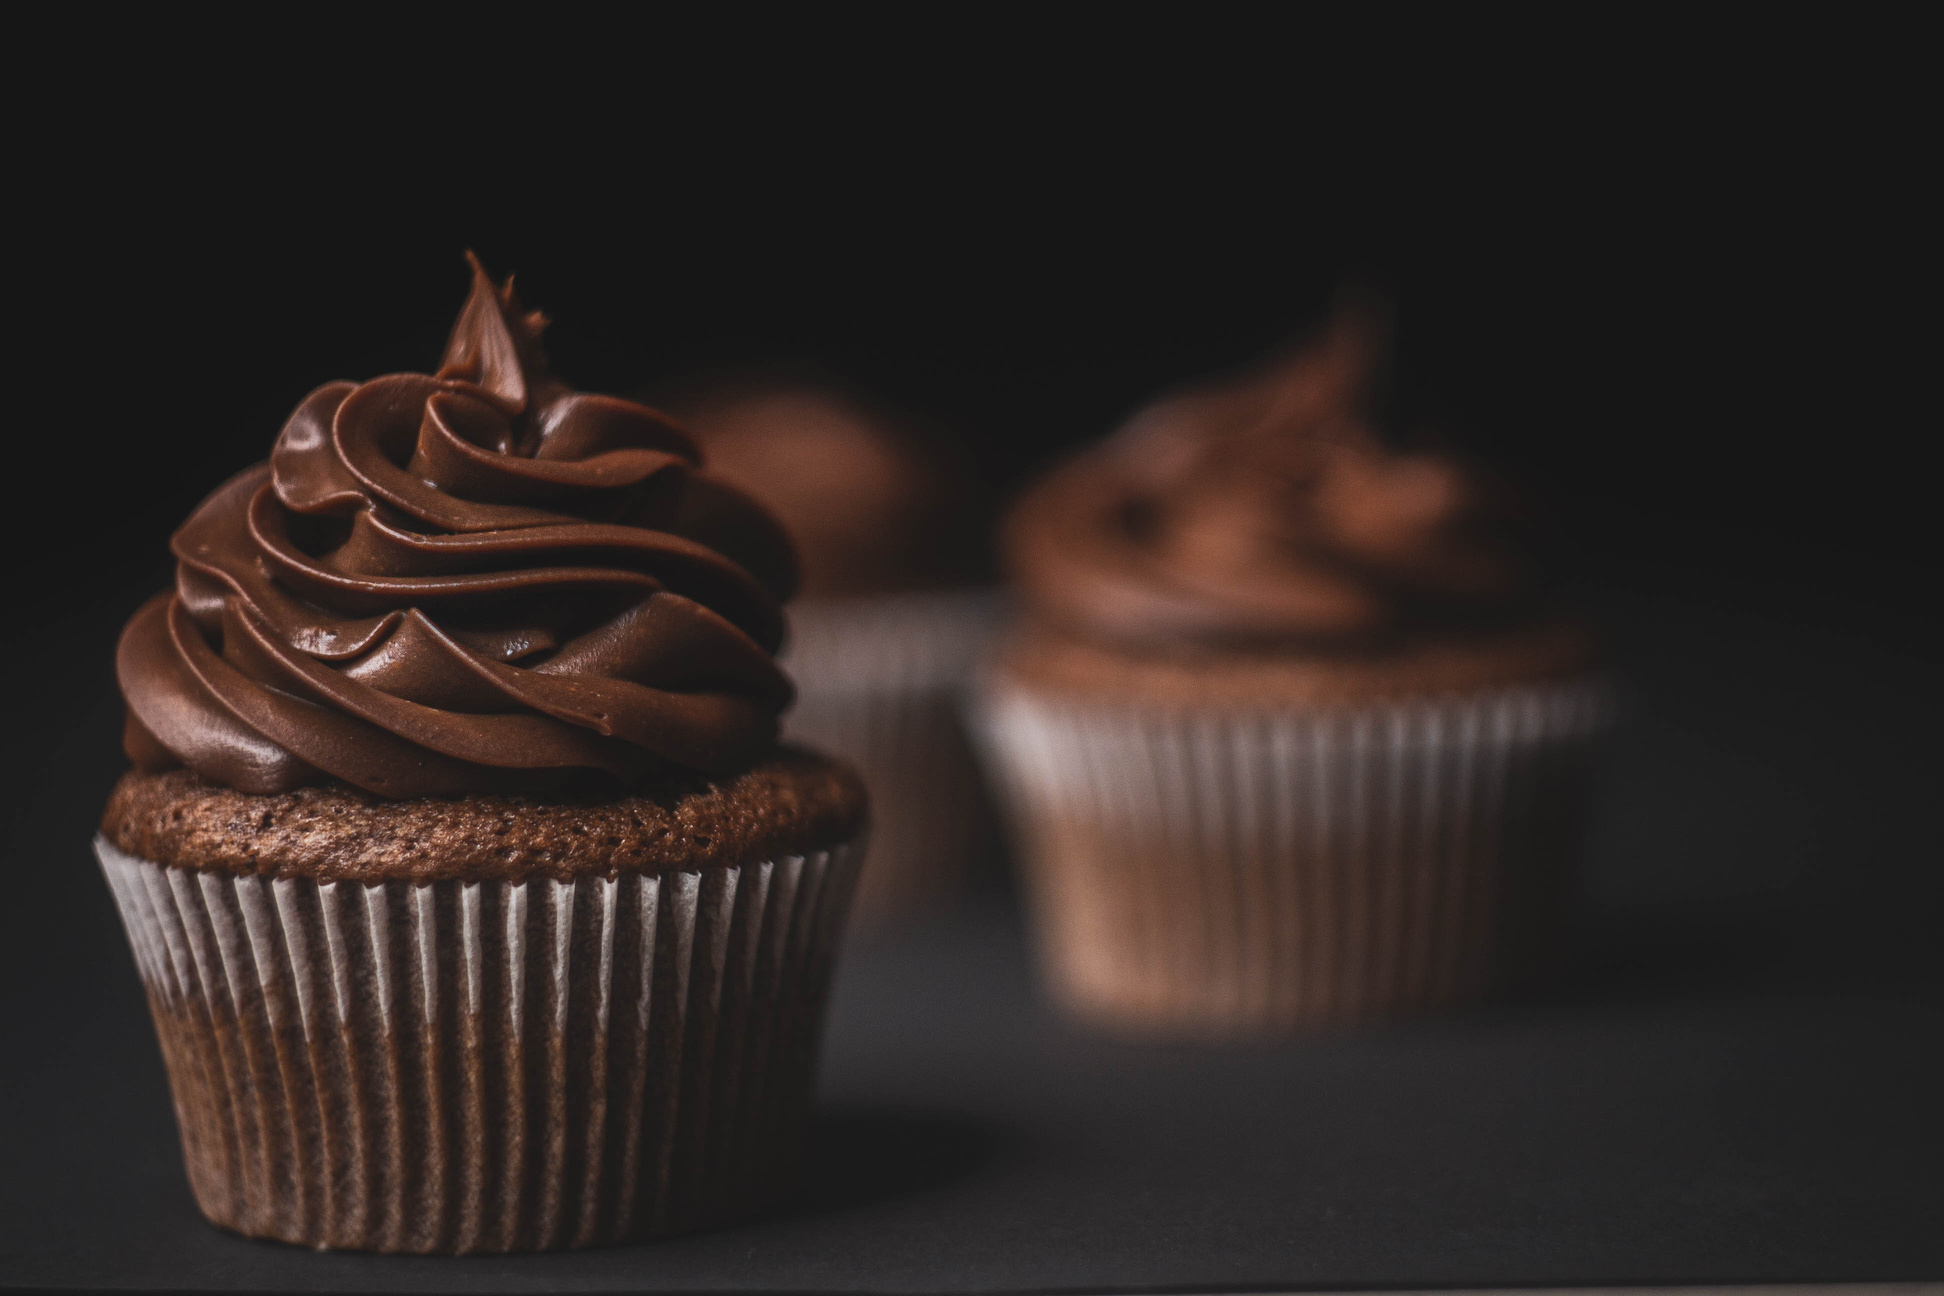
{"points": [[490, 1066], [1213, 871], [881, 682]]}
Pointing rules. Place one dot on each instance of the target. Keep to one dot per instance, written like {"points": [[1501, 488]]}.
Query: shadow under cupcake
{"points": [[1290, 732]]}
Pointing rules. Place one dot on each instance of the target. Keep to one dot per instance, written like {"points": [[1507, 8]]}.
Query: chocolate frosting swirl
{"points": [[1267, 511], [468, 581]]}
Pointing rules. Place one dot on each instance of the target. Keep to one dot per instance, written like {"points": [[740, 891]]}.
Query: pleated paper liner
{"points": [[880, 681], [1213, 871], [492, 1066]]}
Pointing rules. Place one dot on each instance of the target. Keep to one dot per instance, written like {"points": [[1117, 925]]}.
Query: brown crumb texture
{"points": [[793, 803]]}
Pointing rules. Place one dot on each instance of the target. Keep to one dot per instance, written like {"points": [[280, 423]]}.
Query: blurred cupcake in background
{"points": [[1290, 730], [891, 523]]}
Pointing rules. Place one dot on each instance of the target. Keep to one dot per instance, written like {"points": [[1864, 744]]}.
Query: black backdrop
{"points": [[1670, 274]]}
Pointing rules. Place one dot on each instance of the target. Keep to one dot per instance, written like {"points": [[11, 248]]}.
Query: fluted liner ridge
{"points": [[1209, 870], [487, 1066]]}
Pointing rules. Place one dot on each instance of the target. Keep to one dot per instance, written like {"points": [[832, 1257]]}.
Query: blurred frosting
{"points": [[1265, 511], [872, 508], [467, 581]]}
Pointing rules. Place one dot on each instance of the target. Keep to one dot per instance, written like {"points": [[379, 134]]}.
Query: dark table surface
{"points": [[1737, 1077]]}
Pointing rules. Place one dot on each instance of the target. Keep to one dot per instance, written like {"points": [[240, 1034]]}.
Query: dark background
{"points": [[1677, 280]]}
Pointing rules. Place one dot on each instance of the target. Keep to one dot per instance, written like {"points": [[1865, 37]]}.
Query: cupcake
{"points": [[1290, 732], [890, 624], [477, 905]]}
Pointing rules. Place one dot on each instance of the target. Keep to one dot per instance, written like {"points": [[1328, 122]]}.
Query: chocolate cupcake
{"points": [[1290, 731], [478, 908], [891, 622]]}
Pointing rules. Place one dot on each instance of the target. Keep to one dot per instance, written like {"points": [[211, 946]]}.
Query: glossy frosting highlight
{"points": [[1265, 512], [468, 581]]}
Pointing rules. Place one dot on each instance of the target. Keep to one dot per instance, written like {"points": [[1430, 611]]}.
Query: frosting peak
{"points": [[1264, 511], [473, 580]]}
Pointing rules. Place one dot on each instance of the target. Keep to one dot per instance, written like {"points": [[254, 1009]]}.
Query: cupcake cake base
{"points": [[471, 1063], [1204, 866]]}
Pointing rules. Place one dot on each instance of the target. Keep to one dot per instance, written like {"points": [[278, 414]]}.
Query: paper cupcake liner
{"points": [[880, 682], [1212, 870], [489, 1066]]}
